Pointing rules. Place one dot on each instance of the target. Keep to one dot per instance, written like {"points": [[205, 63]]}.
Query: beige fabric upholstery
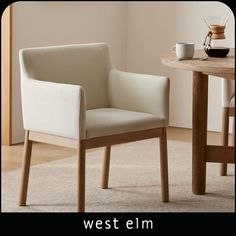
{"points": [[139, 92], [53, 108], [232, 102], [108, 121], [59, 83], [86, 65], [228, 93]]}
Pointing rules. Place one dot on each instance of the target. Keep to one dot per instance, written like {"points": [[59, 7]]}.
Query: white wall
{"points": [[55, 23], [191, 27], [152, 28]]}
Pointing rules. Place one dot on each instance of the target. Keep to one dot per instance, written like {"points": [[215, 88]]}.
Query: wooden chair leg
{"points": [[106, 165], [25, 169], [225, 134], [164, 167], [233, 134], [81, 175]]}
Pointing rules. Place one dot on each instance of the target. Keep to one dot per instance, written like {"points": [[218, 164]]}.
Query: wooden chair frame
{"points": [[226, 114], [81, 146]]}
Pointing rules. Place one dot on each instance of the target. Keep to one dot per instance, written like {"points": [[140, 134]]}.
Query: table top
{"points": [[222, 67]]}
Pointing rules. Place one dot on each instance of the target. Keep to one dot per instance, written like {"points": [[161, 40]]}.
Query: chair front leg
{"points": [[106, 166], [81, 175], [164, 166], [25, 169], [225, 133]]}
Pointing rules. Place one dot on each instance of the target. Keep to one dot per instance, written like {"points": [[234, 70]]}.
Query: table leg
{"points": [[199, 135]]}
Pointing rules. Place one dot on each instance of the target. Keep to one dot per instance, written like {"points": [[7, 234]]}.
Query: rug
{"points": [[134, 184]]}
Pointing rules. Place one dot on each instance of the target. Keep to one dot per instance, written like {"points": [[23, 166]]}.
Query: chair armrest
{"points": [[53, 108], [139, 92], [228, 92]]}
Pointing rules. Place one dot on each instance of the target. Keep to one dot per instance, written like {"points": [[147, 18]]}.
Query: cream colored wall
{"points": [[152, 28], [54, 23], [191, 27]]}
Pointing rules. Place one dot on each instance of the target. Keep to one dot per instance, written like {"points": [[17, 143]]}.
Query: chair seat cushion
{"points": [[110, 121]]}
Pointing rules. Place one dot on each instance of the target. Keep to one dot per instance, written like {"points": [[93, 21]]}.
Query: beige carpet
{"points": [[134, 183]]}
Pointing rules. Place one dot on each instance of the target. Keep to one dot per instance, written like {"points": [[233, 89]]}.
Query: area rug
{"points": [[134, 184]]}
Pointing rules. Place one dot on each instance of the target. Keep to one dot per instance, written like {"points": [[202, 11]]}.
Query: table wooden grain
{"points": [[221, 67]]}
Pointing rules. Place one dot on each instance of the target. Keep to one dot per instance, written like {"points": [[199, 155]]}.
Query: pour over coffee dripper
{"points": [[216, 27]]}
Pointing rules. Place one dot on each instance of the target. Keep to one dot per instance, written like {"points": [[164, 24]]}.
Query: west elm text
{"points": [[114, 224]]}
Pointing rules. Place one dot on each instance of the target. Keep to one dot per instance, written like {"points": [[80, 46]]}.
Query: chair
{"points": [[72, 96], [228, 103]]}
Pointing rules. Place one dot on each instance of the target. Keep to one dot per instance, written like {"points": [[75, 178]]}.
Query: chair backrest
{"points": [[87, 65], [227, 92]]}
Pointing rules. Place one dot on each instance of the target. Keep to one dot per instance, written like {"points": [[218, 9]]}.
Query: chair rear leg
{"points": [[225, 133], [81, 176], [25, 169], [233, 134], [164, 166], [106, 166]]}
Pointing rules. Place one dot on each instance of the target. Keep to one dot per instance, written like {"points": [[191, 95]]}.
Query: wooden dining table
{"points": [[202, 153]]}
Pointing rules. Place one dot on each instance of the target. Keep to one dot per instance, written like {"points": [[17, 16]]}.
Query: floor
{"points": [[12, 155]]}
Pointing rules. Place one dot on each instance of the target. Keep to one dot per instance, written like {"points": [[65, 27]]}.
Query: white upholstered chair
{"points": [[73, 96], [228, 103]]}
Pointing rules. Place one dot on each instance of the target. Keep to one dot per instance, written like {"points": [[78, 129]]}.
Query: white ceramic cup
{"points": [[183, 50]]}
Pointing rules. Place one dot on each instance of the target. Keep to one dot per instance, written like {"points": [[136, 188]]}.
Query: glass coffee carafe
{"points": [[214, 40]]}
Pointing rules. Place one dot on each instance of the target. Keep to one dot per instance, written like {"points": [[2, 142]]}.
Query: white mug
{"points": [[183, 50]]}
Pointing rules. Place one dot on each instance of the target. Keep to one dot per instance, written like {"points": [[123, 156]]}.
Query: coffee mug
{"points": [[183, 50]]}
